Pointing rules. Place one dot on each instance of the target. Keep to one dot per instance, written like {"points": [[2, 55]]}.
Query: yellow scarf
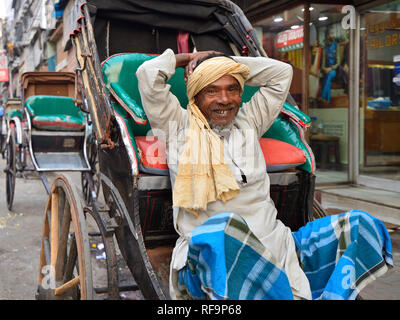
{"points": [[203, 175]]}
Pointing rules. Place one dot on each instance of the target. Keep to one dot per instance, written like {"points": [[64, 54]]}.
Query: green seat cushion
{"points": [[55, 113]]}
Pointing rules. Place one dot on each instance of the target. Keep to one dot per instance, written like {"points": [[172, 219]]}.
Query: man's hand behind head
{"points": [[189, 61]]}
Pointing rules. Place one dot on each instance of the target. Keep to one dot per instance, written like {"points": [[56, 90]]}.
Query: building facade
{"points": [[35, 38]]}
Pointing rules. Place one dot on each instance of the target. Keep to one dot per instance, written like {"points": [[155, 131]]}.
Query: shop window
{"points": [[380, 91], [329, 91], [328, 98], [282, 39]]}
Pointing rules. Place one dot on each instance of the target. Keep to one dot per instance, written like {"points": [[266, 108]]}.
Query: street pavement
{"points": [[387, 287], [20, 238]]}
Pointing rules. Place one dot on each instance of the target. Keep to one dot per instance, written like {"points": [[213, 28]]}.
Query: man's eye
{"points": [[211, 91]]}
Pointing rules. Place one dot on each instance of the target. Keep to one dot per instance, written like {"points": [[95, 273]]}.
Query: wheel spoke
{"points": [[66, 286], [54, 228]]}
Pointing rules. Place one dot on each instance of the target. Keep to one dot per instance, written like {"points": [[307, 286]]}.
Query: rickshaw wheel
{"points": [[10, 169], [3, 138], [65, 266]]}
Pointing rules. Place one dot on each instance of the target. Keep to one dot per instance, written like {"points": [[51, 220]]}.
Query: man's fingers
{"points": [[194, 59], [190, 67], [193, 63], [187, 72]]}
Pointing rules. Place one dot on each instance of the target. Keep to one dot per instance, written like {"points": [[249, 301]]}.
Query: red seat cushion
{"points": [[278, 155], [153, 157], [58, 123]]}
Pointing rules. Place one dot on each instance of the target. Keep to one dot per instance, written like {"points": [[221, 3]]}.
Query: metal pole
{"points": [[306, 60], [354, 108]]}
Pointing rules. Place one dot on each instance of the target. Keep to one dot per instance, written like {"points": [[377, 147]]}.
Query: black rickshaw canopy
{"points": [[151, 26]]}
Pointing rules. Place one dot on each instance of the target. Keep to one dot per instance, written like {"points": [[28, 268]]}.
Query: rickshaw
{"points": [[47, 127], [134, 210]]}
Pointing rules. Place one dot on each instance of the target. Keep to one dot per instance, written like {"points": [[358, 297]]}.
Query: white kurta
{"points": [[242, 151]]}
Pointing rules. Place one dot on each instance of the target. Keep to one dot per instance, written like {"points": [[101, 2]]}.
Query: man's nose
{"points": [[223, 97]]}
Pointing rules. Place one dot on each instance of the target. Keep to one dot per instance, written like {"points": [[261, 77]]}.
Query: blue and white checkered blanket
{"points": [[340, 254], [225, 261]]}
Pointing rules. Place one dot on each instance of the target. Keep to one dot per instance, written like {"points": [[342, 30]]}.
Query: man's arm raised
{"points": [[160, 105], [274, 78]]}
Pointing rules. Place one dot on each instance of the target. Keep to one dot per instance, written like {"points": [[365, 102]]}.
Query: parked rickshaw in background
{"points": [[111, 40], [47, 127]]}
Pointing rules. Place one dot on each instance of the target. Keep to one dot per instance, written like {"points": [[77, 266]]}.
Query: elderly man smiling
{"points": [[231, 245]]}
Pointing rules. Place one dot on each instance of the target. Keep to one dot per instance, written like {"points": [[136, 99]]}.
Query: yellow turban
{"points": [[203, 175]]}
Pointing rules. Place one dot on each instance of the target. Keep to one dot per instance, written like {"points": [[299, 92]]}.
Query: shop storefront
{"points": [[379, 90], [346, 63]]}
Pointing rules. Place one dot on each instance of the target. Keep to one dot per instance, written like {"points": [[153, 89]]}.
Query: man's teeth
{"points": [[222, 112]]}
